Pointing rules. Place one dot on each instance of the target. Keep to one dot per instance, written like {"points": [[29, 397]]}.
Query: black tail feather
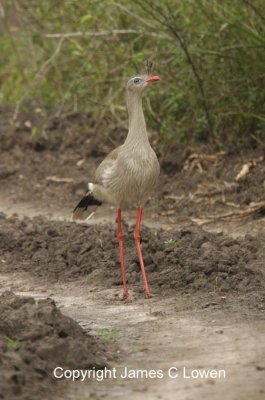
{"points": [[80, 211], [88, 200]]}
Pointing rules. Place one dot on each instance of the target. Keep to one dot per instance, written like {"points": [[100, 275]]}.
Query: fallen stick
{"points": [[231, 216]]}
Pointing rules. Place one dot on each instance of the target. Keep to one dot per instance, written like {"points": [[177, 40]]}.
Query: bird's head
{"points": [[138, 84]]}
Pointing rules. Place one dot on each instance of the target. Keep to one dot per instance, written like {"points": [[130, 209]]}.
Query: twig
{"points": [[143, 21], [36, 77], [101, 33], [231, 216], [168, 21], [258, 140], [13, 44], [197, 76], [255, 9]]}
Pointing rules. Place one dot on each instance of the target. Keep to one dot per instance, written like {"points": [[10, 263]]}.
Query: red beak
{"points": [[152, 79]]}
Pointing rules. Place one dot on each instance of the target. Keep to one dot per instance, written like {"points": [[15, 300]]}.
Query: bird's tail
{"points": [[81, 211]]}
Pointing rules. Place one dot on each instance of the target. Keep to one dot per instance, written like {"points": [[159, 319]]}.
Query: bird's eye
{"points": [[136, 80]]}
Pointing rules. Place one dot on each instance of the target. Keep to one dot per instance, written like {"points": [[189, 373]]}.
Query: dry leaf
{"points": [[80, 162], [246, 168], [243, 173]]}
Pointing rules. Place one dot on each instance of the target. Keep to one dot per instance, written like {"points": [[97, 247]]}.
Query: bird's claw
{"points": [[147, 295], [125, 296]]}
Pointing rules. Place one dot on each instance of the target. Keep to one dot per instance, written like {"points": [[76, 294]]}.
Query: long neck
{"points": [[137, 129]]}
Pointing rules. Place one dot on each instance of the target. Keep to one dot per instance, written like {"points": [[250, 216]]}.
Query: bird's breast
{"points": [[133, 177]]}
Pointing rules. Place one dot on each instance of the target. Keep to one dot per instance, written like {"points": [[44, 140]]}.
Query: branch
{"points": [[143, 21], [255, 9], [168, 21], [41, 71], [101, 33]]}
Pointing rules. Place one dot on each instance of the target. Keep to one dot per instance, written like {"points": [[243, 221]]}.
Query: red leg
{"points": [[120, 238], [138, 246]]}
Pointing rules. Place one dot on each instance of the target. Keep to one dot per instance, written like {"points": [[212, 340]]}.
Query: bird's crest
{"points": [[149, 67]]}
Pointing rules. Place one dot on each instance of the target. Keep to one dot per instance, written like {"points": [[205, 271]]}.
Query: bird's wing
{"points": [[105, 165]]}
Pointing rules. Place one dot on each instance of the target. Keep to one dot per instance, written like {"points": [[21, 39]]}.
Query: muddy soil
{"points": [[209, 299], [35, 338], [189, 259]]}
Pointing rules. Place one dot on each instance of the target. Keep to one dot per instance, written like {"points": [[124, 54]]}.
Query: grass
{"points": [[108, 334], [172, 242], [11, 344], [84, 398], [210, 56]]}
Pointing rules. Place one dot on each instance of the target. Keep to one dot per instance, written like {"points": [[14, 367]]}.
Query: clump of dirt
{"points": [[189, 259], [35, 337]]}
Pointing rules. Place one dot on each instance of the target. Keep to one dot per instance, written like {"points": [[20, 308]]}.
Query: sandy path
{"points": [[159, 334], [107, 213]]}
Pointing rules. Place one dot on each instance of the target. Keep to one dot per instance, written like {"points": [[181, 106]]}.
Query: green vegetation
{"points": [[172, 242], [108, 334], [84, 398], [11, 344], [209, 54]]}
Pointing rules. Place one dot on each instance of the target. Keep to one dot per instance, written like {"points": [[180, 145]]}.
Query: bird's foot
{"points": [[125, 296], [147, 294]]}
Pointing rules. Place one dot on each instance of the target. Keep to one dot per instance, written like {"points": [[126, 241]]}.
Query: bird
{"points": [[128, 174]]}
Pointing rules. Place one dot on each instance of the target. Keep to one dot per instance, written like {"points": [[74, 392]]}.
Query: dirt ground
{"points": [[203, 241]]}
